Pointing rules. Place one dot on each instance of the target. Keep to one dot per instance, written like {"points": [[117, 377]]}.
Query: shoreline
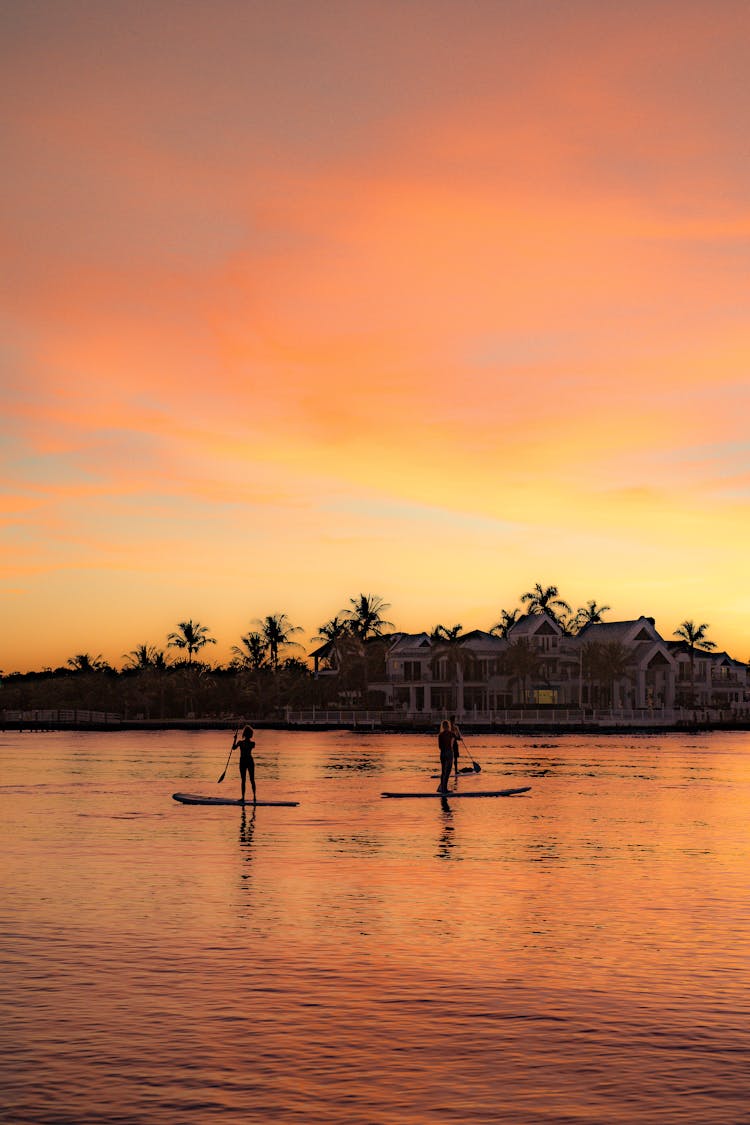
{"points": [[534, 727]]}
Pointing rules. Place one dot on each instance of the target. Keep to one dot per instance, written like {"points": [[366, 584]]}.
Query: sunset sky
{"points": [[432, 299]]}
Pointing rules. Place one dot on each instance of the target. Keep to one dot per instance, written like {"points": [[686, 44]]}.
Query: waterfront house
{"points": [[428, 674], [709, 680], [620, 668], [646, 678]]}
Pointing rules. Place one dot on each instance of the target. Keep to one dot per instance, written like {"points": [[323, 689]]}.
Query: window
{"points": [[545, 696]]}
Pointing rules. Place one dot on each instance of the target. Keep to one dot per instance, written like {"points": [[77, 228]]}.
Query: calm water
{"points": [[579, 954]]}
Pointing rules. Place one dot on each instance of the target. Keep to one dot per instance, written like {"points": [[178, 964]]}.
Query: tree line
{"points": [[266, 672]]}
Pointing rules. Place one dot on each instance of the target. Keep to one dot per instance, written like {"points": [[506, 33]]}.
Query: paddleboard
{"points": [[475, 793], [195, 799]]}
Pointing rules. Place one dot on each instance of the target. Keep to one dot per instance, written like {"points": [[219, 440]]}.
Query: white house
{"points": [[618, 665], [650, 678]]}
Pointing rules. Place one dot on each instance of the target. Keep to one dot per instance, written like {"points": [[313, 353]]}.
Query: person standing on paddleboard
{"points": [[445, 743], [247, 762], [456, 734]]}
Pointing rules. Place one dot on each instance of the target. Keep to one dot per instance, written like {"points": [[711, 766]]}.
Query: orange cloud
{"points": [[416, 335]]}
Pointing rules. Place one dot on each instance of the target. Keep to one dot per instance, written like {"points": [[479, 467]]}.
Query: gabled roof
{"points": [[655, 653], [535, 624], [682, 647], [409, 642], [641, 630], [380, 637], [723, 658], [412, 644], [480, 637], [329, 647]]}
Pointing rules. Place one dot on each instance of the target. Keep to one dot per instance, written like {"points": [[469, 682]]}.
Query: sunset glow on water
{"points": [[576, 954]]}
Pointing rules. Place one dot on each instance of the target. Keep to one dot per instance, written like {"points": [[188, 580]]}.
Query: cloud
{"points": [[425, 277]]}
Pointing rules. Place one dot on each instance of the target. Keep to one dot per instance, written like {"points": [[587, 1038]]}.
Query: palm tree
{"points": [[338, 643], [194, 679], [251, 658], [443, 633], [366, 615], [545, 600], [521, 661], [590, 614], [333, 629], [350, 655], [142, 661], [84, 662], [160, 666], [568, 622], [606, 662], [90, 690], [447, 643], [190, 635], [140, 658], [252, 651], [694, 636], [366, 622], [150, 666], [506, 622], [295, 683], [276, 630]]}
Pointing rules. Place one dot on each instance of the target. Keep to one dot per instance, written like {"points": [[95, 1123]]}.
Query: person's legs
{"points": [[445, 771], [243, 771], [251, 771]]}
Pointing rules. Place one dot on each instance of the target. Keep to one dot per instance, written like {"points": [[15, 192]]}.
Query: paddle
{"points": [[226, 767], [476, 765]]}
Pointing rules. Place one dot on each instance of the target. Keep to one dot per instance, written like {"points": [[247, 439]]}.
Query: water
{"points": [[578, 954]]}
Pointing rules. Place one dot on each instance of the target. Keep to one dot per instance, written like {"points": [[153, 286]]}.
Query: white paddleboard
{"points": [[195, 799], [451, 793]]}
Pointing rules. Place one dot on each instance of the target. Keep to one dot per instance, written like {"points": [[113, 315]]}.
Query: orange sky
{"points": [[432, 300]]}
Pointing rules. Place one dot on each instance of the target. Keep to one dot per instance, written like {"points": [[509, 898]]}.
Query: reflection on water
{"points": [[247, 827], [576, 955], [446, 842]]}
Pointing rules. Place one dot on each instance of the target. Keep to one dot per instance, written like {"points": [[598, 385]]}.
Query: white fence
{"points": [[61, 716], [557, 717]]}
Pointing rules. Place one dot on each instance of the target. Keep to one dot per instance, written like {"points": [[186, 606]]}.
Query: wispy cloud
{"points": [[465, 287]]}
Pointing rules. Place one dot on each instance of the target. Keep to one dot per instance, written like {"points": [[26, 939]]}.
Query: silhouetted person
{"points": [[247, 762], [456, 733], [445, 744]]}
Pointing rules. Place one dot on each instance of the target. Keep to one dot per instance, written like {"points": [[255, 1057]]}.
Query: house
{"points": [[542, 663], [426, 674], [708, 680], [729, 681], [352, 666], [649, 678], [615, 666]]}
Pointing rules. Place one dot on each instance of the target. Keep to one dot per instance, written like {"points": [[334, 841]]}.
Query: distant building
{"points": [[648, 681], [711, 680], [620, 666]]}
